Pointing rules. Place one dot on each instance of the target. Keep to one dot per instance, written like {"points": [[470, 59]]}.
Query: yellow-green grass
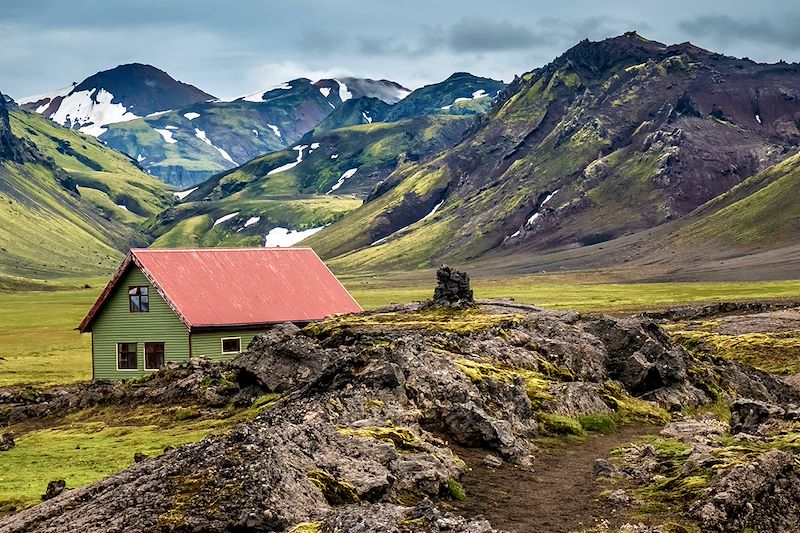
{"points": [[80, 455], [38, 341], [39, 344], [572, 291], [91, 444], [95, 166]]}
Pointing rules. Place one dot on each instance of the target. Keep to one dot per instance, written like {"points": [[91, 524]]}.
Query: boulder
{"points": [[54, 488], [752, 416], [7, 441]]}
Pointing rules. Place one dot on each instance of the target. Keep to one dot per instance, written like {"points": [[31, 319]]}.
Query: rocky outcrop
{"points": [[359, 439], [197, 382], [716, 309], [12, 148], [761, 495]]}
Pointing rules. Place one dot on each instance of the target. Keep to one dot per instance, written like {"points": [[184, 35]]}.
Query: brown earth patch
{"points": [[557, 495]]}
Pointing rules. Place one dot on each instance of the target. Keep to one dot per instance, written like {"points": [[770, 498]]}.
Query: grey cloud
{"points": [[726, 29], [321, 41], [483, 35]]}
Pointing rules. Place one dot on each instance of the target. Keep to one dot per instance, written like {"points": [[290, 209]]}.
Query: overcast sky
{"points": [[234, 47]]}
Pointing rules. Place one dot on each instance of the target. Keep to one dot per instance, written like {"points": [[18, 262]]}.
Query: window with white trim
{"points": [[232, 345]]}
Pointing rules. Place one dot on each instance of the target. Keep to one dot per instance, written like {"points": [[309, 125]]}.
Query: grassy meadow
{"points": [[39, 344]]}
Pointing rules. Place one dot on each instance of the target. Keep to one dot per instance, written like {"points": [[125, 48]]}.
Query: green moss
{"points": [[336, 492], [445, 320], [413, 524], [597, 423], [771, 352], [372, 403], [561, 425], [187, 413], [629, 408], [556, 372], [400, 437], [307, 527], [536, 384], [456, 490]]}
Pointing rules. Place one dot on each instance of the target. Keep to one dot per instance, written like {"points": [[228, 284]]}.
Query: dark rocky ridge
{"points": [[361, 434], [12, 148]]}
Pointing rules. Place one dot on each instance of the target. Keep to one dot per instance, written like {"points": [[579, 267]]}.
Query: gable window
{"points": [[139, 299], [232, 345], [126, 356], [153, 355]]}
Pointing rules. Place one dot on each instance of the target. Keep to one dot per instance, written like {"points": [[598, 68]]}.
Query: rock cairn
{"points": [[452, 289]]}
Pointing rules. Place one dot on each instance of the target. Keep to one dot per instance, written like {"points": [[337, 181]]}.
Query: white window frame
{"points": [[144, 354], [116, 358], [222, 344]]}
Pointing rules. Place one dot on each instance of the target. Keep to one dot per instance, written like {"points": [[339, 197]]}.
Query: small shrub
{"points": [[456, 490], [186, 413]]}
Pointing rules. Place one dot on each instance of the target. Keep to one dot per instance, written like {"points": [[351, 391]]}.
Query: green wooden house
{"points": [[170, 305]]}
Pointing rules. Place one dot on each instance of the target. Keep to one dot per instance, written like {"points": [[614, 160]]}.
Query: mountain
{"points": [[611, 138], [122, 93], [190, 144], [462, 93], [68, 204], [284, 196], [192, 136]]}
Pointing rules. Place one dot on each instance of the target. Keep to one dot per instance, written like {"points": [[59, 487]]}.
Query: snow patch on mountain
{"points": [[191, 115], [200, 134], [344, 94], [180, 195], [167, 134], [225, 218], [258, 96], [366, 117], [293, 164], [251, 221], [275, 130], [90, 111], [283, 237], [325, 91], [480, 93], [347, 175]]}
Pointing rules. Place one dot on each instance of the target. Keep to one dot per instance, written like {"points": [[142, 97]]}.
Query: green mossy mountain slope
{"points": [[61, 213], [612, 138], [337, 171]]}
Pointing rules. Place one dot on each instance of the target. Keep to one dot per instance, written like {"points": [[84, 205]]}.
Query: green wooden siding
{"points": [[209, 344], [115, 323]]}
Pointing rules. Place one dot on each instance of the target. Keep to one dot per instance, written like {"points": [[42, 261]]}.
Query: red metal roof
{"points": [[218, 287]]}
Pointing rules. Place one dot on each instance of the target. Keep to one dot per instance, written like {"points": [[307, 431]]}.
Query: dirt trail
{"points": [[559, 495]]}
